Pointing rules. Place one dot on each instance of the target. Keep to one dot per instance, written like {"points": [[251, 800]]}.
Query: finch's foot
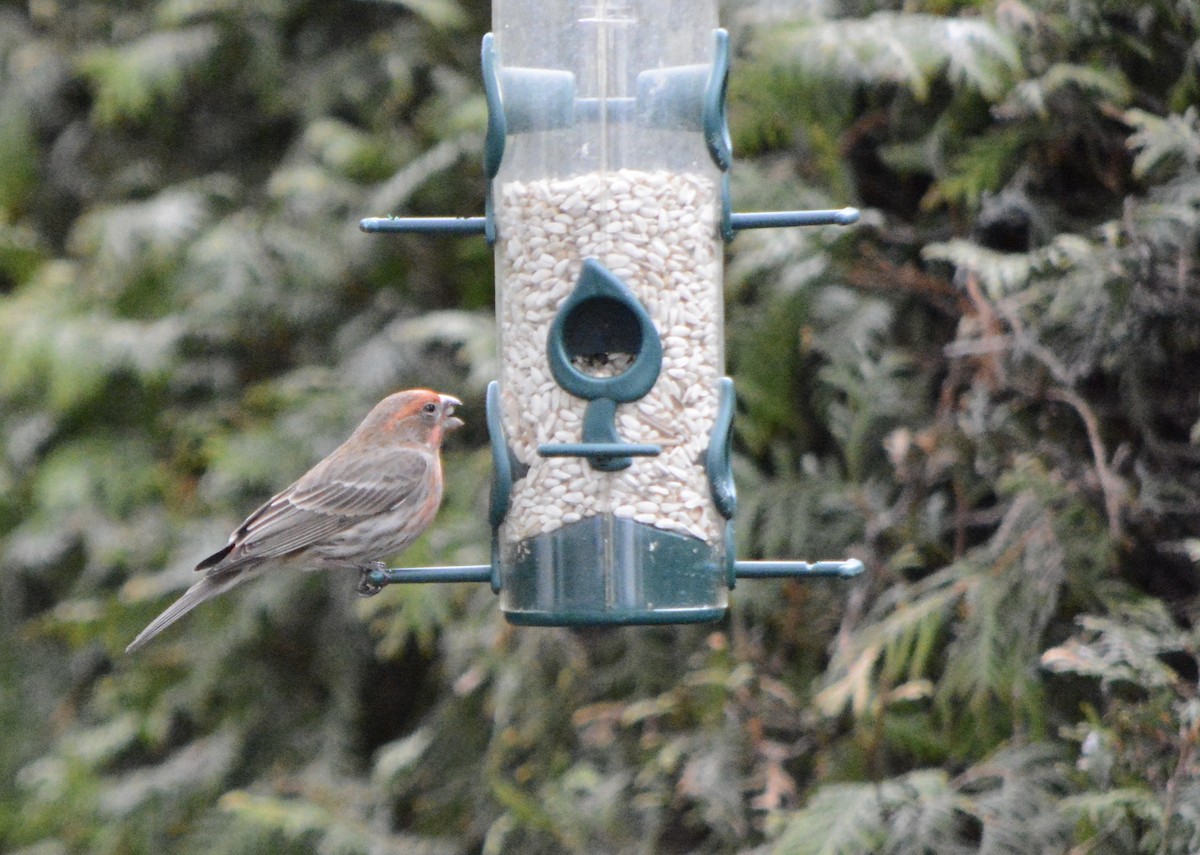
{"points": [[366, 587]]}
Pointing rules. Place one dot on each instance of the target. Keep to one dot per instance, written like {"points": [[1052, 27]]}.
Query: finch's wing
{"points": [[332, 496]]}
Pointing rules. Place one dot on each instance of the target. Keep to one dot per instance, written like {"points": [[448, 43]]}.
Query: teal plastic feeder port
{"points": [[600, 320], [608, 154]]}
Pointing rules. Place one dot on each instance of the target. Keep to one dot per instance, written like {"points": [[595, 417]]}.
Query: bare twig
{"points": [[1110, 484], [874, 272], [1188, 737]]}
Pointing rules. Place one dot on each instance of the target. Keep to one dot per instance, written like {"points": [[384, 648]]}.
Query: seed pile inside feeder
{"points": [[657, 232]]}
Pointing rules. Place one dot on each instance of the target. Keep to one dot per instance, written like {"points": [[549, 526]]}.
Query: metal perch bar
{"points": [[425, 225], [744, 570], [792, 569], [600, 449], [478, 225], [451, 573], [783, 219]]}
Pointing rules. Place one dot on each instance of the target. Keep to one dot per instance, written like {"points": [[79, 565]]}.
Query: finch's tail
{"points": [[207, 588]]}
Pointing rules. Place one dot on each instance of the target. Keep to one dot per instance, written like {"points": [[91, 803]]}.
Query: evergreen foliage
{"points": [[988, 391]]}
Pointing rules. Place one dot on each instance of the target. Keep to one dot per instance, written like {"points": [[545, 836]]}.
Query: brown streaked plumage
{"points": [[366, 501]]}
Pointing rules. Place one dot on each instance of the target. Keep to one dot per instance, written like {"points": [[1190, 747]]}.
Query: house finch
{"points": [[366, 501]]}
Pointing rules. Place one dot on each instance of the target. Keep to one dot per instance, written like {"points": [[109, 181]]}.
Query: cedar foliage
{"points": [[987, 391]]}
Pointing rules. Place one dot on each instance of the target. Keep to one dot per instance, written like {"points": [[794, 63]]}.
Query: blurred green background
{"points": [[989, 390]]}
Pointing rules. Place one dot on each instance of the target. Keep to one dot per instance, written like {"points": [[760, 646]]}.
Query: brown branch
{"points": [[1188, 737], [989, 330], [873, 272], [1110, 484]]}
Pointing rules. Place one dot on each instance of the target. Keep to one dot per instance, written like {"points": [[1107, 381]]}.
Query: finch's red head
{"points": [[415, 415]]}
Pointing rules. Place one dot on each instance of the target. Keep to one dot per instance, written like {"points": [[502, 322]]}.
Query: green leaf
{"points": [[441, 14], [1164, 145], [18, 153], [132, 80], [906, 49], [1123, 647]]}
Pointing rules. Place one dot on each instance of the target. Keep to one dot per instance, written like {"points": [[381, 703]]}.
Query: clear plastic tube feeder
{"points": [[609, 301], [608, 154]]}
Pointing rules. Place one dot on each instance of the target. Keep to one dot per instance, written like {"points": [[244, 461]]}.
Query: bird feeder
{"points": [[608, 156]]}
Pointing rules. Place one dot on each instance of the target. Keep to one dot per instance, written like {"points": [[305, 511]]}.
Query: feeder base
{"points": [[644, 617], [609, 570]]}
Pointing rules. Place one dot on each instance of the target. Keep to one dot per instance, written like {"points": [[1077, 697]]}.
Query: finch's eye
{"points": [[429, 408]]}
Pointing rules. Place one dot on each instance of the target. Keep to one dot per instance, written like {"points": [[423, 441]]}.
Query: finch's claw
{"points": [[368, 587]]}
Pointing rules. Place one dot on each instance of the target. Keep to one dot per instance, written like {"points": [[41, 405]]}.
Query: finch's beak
{"points": [[449, 420]]}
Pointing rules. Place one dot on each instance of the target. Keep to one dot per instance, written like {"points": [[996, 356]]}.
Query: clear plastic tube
{"points": [[605, 159]]}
